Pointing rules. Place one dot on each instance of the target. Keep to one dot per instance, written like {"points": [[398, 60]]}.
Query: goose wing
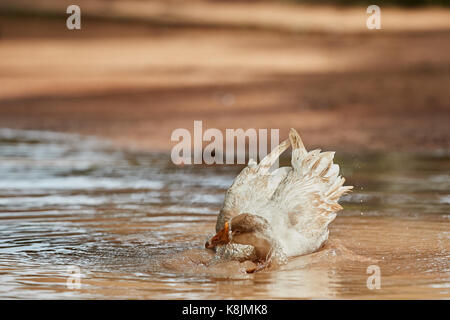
{"points": [[254, 186], [309, 193]]}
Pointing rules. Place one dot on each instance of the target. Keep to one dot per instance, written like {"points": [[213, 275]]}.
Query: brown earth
{"points": [[134, 82]]}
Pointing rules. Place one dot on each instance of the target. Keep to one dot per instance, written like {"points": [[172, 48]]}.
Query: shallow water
{"points": [[135, 225]]}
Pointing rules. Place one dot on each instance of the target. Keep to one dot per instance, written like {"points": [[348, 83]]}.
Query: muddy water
{"points": [[134, 225]]}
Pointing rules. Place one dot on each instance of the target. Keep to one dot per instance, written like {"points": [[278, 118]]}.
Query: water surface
{"points": [[134, 224]]}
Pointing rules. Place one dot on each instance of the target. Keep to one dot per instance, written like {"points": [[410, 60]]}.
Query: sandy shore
{"points": [[135, 83]]}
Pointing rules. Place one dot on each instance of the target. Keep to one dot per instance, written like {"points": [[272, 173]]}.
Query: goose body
{"points": [[284, 212]]}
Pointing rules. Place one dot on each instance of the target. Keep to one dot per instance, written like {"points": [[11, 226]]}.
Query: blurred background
{"points": [[139, 69], [115, 206]]}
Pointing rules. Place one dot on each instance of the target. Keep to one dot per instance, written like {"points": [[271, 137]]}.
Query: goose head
{"points": [[246, 229]]}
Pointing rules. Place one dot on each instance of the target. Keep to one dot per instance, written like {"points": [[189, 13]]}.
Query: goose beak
{"points": [[220, 238]]}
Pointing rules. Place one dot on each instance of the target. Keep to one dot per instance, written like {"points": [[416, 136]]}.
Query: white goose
{"points": [[283, 213]]}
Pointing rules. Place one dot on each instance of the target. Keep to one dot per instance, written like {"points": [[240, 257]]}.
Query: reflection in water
{"points": [[135, 224]]}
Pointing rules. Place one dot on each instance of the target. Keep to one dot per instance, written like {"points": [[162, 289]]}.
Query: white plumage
{"points": [[298, 201]]}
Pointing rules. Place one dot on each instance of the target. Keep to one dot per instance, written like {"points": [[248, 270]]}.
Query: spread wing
{"points": [[309, 193], [254, 185], [306, 194]]}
